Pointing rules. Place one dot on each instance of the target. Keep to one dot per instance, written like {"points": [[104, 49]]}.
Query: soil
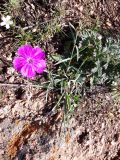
{"points": [[30, 129]]}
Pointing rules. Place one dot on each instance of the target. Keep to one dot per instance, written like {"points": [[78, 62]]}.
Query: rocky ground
{"points": [[28, 130]]}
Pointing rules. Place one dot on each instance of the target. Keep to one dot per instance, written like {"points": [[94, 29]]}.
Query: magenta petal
{"points": [[38, 53], [39, 66], [25, 50], [18, 63], [28, 71]]}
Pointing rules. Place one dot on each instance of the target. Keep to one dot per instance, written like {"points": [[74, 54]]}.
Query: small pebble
{"points": [[2, 152]]}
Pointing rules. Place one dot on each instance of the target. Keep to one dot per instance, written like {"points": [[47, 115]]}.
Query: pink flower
{"points": [[29, 61]]}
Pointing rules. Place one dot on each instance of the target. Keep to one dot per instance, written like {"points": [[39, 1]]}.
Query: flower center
{"points": [[29, 60]]}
